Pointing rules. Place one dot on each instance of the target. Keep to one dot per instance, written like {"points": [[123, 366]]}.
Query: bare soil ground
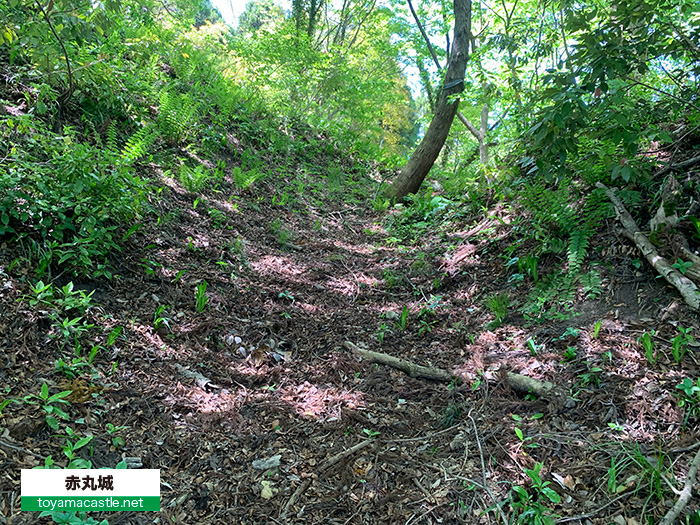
{"points": [[244, 402]]}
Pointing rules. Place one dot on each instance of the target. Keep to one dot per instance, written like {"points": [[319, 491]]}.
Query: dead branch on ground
{"points": [[517, 382], [685, 286], [321, 469], [685, 494]]}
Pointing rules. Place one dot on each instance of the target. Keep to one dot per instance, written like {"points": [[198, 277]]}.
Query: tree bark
{"points": [[480, 137], [416, 169]]}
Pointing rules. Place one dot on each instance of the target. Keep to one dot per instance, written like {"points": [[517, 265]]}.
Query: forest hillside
{"points": [[353, 262]]}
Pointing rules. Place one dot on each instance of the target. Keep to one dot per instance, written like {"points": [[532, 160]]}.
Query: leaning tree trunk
{"points": [[423, 158]]}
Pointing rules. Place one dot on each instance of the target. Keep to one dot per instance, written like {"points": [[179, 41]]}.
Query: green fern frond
{"points": [[175, 114], [244, 179], [568, 289], [578, 249], [138, 144], [111, 144], [553, 296], [552, 206], [597, 208], [194, 179], [544, 292], [592, 284]]}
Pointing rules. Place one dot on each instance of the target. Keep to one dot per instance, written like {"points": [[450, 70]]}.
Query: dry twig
{"points": [[324, 466]]}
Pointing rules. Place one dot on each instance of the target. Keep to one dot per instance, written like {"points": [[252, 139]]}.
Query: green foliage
{"points": [[551, 298], [286, 295], [555, 214], [682, 266], [68, 196], [534, 348], [381, 204], [136, 147], [342, 83], [73, 368], [382, 331], [452, 416], [175, 116], [648, 346], [569, 333], [73, 444], [591, 284], [679, 344], [370, 433], [62, 300], [418, 213], [529, 507], [578, 249], [117, 441], [696, 228], [200, 295], [284, 236], [590, 377], [633, 465], [261, 14], [392, 278], [243, 179], [402, 323], [161, 317], [570, 354], [689, 397], [50, 404], [498, 305], [528, 265], [194, 179], [627, 72], [65, 307]]}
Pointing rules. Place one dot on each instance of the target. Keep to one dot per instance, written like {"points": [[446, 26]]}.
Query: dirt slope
{"points": [[243, 401]]}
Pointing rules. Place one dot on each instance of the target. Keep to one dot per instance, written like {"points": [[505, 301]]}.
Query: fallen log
{"points": [[681, 166], [687, 288], [412, 369], [517, 382]]}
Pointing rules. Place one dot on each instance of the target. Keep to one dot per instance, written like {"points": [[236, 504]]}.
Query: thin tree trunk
{"points": [[483, 146], [431, 99], [416, 169]]}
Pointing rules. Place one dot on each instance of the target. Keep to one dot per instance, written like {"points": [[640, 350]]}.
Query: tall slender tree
{"points": [[416, 169]]}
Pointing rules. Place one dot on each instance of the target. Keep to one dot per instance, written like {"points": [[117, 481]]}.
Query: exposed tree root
{"points": [[685, 286]]}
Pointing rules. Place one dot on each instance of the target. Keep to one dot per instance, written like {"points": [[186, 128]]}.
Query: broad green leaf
{"points": [[59, 395], [551, 495], [82, 442]]}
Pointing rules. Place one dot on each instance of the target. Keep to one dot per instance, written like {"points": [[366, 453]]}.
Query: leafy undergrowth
{"points": [[210, 344], [215, 355]]}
